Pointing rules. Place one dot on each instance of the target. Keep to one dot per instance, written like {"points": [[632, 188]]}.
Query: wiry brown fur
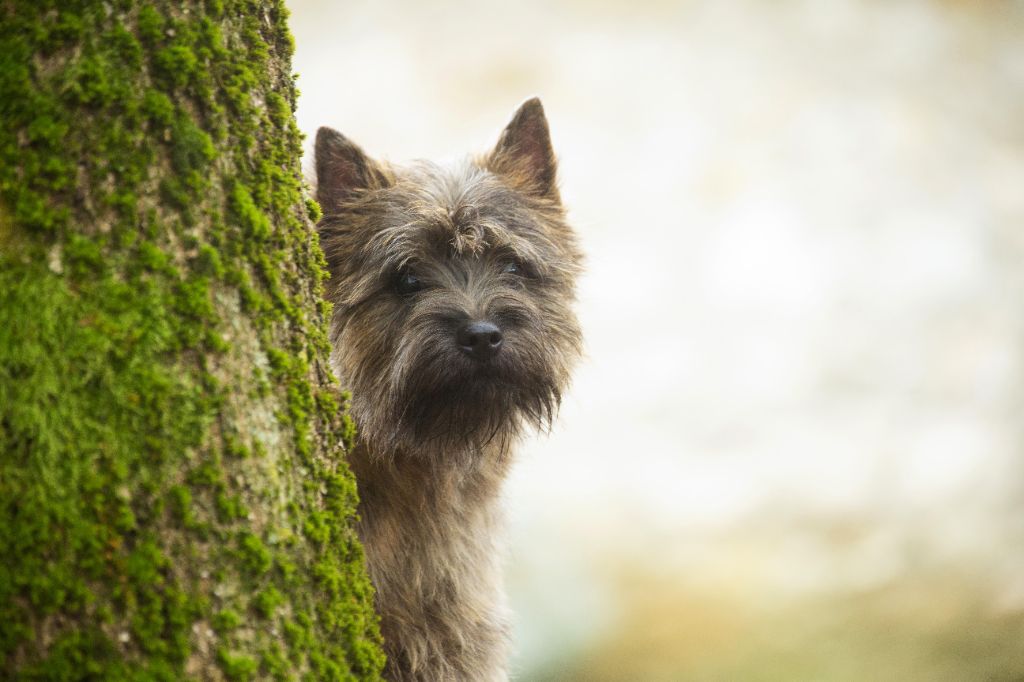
{"points": [[436, 424]]}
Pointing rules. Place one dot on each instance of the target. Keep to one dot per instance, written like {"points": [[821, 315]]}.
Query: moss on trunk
{"points": [[173, 497]]}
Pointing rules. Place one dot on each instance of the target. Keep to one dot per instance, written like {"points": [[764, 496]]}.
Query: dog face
{"points": [[453, 290]]}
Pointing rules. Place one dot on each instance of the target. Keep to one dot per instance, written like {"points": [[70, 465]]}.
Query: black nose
{"points": [[481, 340]]}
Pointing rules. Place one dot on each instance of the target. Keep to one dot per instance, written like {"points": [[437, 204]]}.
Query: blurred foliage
{"points": [[928, 627]]}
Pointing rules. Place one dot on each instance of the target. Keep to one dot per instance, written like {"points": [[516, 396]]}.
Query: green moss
{"points": [[149, 177], [273, 661], [192, 149], [230, 507], [237, 667], [208, 262], [181, 506], [153, 258], [287, 569], [299, 632], [208, 473], [253, 554], [233, 447], [158, 108], [317, 526], [313, 211], [327, 401], [280, 362], [248, 215], [150, 24], [267, 601], [176, 63], [193, 299], [225, 621]]}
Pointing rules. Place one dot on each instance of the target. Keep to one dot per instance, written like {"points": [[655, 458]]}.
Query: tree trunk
{"points": [[174, 501]]}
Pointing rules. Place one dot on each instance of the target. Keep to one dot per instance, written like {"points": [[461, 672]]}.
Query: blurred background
{"points": [[795, 450]]}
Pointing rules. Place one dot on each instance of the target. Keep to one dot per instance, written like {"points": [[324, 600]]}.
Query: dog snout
{"points": [[479, 340]]}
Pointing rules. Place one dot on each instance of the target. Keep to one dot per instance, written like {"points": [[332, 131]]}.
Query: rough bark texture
{"points": [[174, 501]]}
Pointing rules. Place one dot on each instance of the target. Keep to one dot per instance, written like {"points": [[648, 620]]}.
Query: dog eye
{"points": [[511, 268], [408, 283]]}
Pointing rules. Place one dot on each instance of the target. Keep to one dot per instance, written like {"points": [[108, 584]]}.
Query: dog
{"points": [[453, 328]]}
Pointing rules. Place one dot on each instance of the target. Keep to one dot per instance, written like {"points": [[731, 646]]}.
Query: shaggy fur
{"points": [[417, 253]]}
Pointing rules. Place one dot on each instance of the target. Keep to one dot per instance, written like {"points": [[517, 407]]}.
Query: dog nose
{"points": [[481, 340]]}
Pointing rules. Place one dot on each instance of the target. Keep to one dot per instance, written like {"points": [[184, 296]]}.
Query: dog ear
{"points": [[524, 154], [342, 169]]}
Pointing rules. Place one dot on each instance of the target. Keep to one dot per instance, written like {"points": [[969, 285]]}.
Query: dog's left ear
{"points": [[524, 155]]}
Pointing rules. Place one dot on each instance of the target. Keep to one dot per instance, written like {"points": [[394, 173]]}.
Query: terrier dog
{"points": [[453, 328]]}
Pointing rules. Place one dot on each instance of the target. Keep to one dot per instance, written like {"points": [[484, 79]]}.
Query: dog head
{"points": [[452, 290]]}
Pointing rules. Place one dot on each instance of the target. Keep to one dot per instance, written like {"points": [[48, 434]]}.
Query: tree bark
{"points": [[174, 501]]}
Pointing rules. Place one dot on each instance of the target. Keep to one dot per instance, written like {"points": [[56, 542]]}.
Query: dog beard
{"points": [[443, 400]]}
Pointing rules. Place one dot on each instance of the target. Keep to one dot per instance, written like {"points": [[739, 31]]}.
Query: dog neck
{"points": [[431, 548]]}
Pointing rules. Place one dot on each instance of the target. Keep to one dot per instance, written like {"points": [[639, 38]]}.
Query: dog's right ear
{"points": [[342, 169]]}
